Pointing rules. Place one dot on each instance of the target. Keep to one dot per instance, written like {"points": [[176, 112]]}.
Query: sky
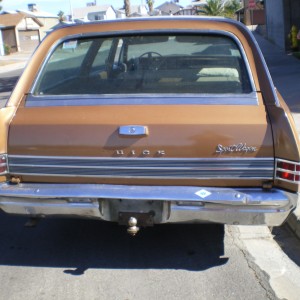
{"points": [[54, 6]]}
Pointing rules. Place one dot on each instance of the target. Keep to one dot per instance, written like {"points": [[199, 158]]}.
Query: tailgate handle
{"points": [[133, 130]]}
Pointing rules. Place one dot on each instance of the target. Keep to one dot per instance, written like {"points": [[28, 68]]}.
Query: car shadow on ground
{"points": [[8, 83], [288, 242], [79, 245]]}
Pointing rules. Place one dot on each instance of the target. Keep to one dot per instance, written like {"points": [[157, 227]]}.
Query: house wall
{"points": [[28, 39], [254, 17], [102, 15], [275, 22], [142, 9], [9, 38], [110, 14], [48, 23], [2, 50], [28, 24], [121, 15], [294, 13], [280, 16], [17, 39], [27, 34], [291, 17]]}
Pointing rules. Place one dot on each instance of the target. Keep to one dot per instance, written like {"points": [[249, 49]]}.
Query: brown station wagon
{"points": [[147, 121]]}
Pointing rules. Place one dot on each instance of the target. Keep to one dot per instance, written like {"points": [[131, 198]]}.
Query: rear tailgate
{"points": [[181, 144]]}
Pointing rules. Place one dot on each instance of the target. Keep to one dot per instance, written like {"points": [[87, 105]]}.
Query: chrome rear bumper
{"points": [[168, 204]]}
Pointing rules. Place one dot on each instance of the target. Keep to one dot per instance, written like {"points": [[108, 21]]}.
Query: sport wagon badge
{"points": [[241, 147]]}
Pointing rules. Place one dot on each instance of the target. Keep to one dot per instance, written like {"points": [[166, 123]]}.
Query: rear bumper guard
{"points": [[171, 204]]}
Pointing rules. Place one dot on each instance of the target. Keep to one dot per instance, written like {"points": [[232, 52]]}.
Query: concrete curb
{"points": [[294, 219]]}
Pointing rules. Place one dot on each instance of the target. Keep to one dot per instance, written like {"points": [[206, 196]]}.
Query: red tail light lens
{"points": [[286, 165], [287, 171], [3, 164]]}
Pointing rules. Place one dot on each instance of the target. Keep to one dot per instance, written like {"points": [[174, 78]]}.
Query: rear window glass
{"points": [[149, 64]]}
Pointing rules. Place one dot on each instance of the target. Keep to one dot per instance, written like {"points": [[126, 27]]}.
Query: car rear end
{"points": [[146, 122]]}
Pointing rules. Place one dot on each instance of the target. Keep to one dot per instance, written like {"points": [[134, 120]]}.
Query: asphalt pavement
{"points": [[284, 69], [14, 61]]}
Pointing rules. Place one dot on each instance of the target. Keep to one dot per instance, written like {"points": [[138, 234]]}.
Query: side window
{"points": [[63, 65]]}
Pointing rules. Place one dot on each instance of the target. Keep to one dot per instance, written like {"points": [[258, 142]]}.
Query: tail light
{"points": [[3, 164], [287, 171]]}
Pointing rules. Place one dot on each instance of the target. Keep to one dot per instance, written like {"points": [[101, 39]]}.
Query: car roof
{"points": [[168, 19]]}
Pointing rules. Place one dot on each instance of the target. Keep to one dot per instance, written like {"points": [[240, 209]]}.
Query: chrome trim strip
{"points": [[151, 168], [156, 168], [227, 177], [138, 32], [141, 99], [204, 159]]}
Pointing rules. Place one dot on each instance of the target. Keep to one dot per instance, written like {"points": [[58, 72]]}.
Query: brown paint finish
{"points": [[286, 142], [139, 181], [182, 131], [6, 115]]}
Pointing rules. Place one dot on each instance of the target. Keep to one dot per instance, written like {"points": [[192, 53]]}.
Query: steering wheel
{"points": [[152, 62], [150, 54]]}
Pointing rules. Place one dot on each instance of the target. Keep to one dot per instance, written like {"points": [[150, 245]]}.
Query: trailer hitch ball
{"points": [[132, 229]]}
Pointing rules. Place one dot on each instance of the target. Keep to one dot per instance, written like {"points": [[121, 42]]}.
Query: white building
{"points": [[47, 20], [94, 13]]}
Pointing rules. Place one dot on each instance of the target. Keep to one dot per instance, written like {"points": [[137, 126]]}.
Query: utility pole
{"points": [[71, 10], [2, 50]]}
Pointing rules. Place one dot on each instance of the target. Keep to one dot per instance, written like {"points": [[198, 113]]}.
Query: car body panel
{"points": [[230, 147], [178, 132]]}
